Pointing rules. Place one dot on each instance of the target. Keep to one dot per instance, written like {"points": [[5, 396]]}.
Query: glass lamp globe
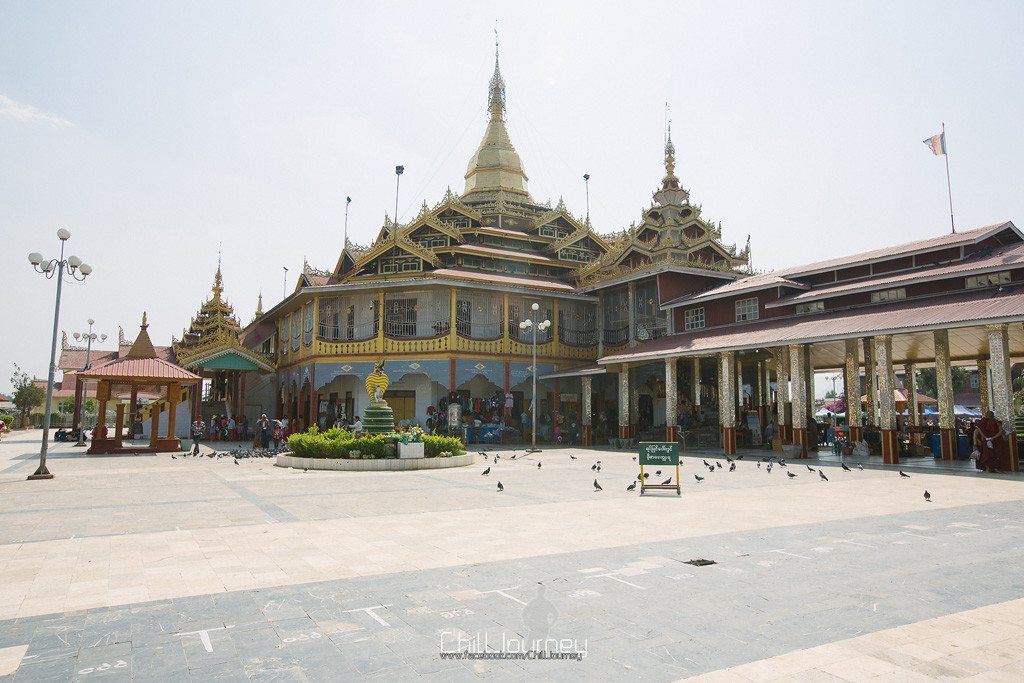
{"points": [[86, 269], [74, 261], [35, 258], [63, 234], [77, 336]]}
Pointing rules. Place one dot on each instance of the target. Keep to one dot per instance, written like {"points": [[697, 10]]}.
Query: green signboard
{"points": [[659, 453]]}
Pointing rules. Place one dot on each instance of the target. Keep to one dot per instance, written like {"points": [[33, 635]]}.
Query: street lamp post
{"points": [[89, 337], [54, 268], [526, 325]]}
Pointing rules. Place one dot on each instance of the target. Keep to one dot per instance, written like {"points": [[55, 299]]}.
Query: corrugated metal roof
{"points": [[578, 371], [505, 253], [140, 369], [964, 310], [1012, 255], [746, 284], [476, 276], [929, 244]]}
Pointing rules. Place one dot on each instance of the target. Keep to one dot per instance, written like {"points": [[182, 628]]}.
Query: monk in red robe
{"points": [[991, 443]]}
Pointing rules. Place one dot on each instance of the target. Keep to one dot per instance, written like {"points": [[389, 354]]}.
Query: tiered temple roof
{"points": [[212, 339]]}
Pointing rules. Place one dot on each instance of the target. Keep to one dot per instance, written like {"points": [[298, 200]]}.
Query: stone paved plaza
{"points": [[155, 568]]}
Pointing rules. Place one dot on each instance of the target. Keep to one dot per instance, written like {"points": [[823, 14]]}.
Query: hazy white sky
{"points": [[156, 131]]}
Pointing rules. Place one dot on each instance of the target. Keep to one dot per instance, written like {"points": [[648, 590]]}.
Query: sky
{"points": [[163, 133]]}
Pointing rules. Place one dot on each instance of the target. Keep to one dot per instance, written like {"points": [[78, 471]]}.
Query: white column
{"points": [[696, 381], [797, 370], [624, 396], [999, 366], [671, 397], [910, 386], [886, 380], [586, 388], [781, 356], [726, 387], [851, 382], [944, 379]]}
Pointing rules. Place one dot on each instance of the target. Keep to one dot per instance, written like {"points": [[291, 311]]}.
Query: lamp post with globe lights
{"points": [[51, 268], [89, 338], [541, 326]]}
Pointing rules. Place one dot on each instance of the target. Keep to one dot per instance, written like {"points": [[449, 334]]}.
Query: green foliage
{"points": [[26, 395], [67, 406], [926, 383], [433, 445], [7, 420], [338, 443]]}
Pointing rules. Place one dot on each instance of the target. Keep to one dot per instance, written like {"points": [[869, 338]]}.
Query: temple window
{"points": [[888, 295], [988, 280], [812, 307], [693, 319], [747, 309]]}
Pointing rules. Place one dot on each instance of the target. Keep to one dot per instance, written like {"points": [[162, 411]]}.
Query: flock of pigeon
{"points": [[769, 461], [237, 454]]}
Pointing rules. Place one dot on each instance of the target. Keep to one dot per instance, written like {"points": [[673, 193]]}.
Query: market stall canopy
{"points": [[901, 397]]}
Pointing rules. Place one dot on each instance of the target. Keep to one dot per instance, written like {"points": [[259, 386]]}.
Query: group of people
{"points": [[226, 428], [267, 433]]}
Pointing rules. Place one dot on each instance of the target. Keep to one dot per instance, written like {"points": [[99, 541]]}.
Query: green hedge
{"points": [[435, 445], [8, 420], [337, 443]]}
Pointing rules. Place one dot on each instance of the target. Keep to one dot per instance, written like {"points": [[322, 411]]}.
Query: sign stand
{"points": [[663, 454]]}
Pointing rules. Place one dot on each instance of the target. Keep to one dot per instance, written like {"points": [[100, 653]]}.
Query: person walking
{"points": [[245, 428], [232, 429], [263, 431], [198, 429], [277, 434]]}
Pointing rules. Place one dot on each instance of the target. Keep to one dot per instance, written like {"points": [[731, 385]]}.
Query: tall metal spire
{"points": [[496, 92]]}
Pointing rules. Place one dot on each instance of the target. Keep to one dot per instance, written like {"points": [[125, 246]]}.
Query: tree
{"points": [[831, 394], [67, 406], [26, 395], [927, 384]]}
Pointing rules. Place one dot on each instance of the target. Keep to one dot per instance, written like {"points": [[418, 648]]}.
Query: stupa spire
{"points": [[496, 90], [496, 165]]}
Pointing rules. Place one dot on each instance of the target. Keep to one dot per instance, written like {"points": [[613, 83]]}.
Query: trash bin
{"points": [[963, 446], [935, 442]]}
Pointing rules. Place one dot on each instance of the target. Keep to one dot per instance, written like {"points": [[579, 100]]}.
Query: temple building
{"points": [[659, 331]]}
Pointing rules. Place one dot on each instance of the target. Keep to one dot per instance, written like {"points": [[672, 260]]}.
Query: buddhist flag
{"points": [[937, 144]]}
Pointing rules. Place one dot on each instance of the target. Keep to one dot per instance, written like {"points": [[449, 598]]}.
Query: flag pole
{"points": [[949, 189]]}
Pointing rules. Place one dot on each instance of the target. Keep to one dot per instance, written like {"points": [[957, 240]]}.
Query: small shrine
{"points": [[211, 347], [138, 370]]}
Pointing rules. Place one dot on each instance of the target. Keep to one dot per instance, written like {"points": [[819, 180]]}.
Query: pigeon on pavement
{"points": [[597, 487], [538, 466], [500, 487], [809, 468], [822, 475], [698, 478], [790, 475], [927, 496], [667, 481], [487, 471], [631, 487], [845, 468], [904, 474]]}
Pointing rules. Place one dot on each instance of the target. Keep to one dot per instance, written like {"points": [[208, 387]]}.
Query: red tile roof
{"points": [[140, 369], [940, 312]]}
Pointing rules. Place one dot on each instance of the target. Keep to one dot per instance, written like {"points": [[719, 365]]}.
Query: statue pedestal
{"points": [[378, 420], [410, 450]]}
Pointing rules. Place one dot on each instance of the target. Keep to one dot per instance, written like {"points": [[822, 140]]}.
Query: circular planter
{"points": [[374, 464]]}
